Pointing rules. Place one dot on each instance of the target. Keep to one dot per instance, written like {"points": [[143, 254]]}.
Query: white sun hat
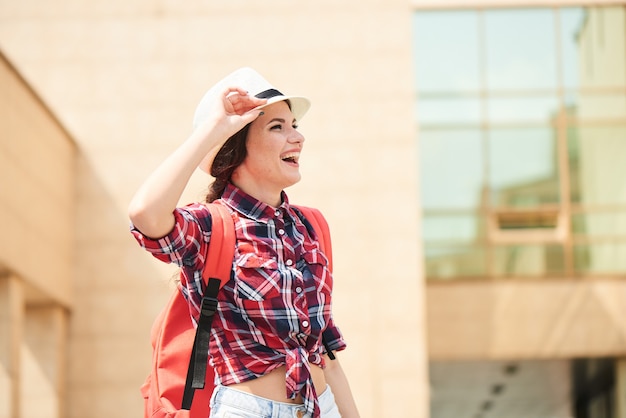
{"points": [[251, 81]]}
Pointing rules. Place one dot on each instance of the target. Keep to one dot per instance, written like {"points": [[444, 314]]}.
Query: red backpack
{"points": [[180, 351]]}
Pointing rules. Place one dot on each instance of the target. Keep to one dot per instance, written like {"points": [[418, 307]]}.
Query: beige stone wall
{"points": [[124, 79], [36, 204], [37, 172], [526, 319]]}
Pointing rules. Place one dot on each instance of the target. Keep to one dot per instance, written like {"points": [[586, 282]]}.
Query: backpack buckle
{"points": [[209, 306]]}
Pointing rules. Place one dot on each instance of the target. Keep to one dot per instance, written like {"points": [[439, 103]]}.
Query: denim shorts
{"points": [[232, 403]]}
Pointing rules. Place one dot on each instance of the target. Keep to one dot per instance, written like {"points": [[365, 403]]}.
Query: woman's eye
{"points": [[294, 126], [276, 127]]}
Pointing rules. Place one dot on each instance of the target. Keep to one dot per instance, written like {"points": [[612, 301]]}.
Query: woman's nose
{"points": [[297, 137]]}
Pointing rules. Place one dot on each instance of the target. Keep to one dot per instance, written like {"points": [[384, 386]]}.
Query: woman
{"points": [[266, 343]]}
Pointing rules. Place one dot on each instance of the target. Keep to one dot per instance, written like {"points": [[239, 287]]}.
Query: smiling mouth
{"points": [[291, 158]]}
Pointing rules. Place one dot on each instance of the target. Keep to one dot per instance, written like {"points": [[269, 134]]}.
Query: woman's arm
{"points": [[338, 382], [151, 209]]}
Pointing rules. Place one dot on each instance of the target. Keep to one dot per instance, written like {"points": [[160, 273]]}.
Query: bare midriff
{"points": [[272, 385]]}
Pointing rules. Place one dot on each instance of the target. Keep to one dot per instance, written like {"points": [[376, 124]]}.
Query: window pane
{"points": [[461, 228], [523, 167], [521, 50], [572, 21], [445, 42], [528, 260], [449, 111], [601, 224], [601, 47], [596, 159], [523, 109], [454, 261], [604, 258], [599, 106], [451, 168]]}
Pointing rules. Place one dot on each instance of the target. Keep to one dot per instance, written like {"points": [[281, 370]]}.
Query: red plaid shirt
{"points": [[277, 303]]}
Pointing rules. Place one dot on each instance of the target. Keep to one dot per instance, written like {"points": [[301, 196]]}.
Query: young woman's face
{"points": [[273, 150]]}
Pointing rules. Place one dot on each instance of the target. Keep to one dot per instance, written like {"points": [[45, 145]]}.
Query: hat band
{"points": [[268, 93]]}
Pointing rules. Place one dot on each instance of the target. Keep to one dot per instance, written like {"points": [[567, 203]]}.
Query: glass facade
{"points": [[521, 120]]}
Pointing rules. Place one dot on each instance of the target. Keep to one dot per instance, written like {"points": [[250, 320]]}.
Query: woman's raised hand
{"points": [[238, 101], [235, 108], [151, 209]]}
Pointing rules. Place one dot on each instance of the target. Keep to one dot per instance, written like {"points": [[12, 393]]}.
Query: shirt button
{"points": [[281, 232], [277, 213], [305, 323], [298, 289], [289, 262]]}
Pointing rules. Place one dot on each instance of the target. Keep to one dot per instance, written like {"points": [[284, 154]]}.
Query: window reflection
{"points": [[600, 106], [599, 224], [602, 62], [451, 168], [523, 167], [466, 228], [571, 21], [520, 49], [528, 260], [597, 164], [515, 107], [445, 262], [600, 258], [538, 109], [451, 111], [446, 42]]}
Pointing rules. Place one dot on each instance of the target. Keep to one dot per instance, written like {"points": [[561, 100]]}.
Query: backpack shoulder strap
{"points": [[218, 264], [219, 257], [320, 226]]}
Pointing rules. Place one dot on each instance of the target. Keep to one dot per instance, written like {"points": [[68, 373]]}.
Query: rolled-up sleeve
{"points": [[333, 338], [191, 231]]}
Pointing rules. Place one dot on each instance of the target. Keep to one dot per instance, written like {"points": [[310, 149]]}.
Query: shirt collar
{"points": [[250, 207]]}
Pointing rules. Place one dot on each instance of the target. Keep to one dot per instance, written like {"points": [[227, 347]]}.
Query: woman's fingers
{"points": [[238, 101]]}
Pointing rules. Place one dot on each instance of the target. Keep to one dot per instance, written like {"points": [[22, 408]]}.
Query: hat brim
{"points": [[299, 106]]}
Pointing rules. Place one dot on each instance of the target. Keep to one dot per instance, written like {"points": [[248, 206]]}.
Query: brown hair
{"points": [[228, 158]]}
